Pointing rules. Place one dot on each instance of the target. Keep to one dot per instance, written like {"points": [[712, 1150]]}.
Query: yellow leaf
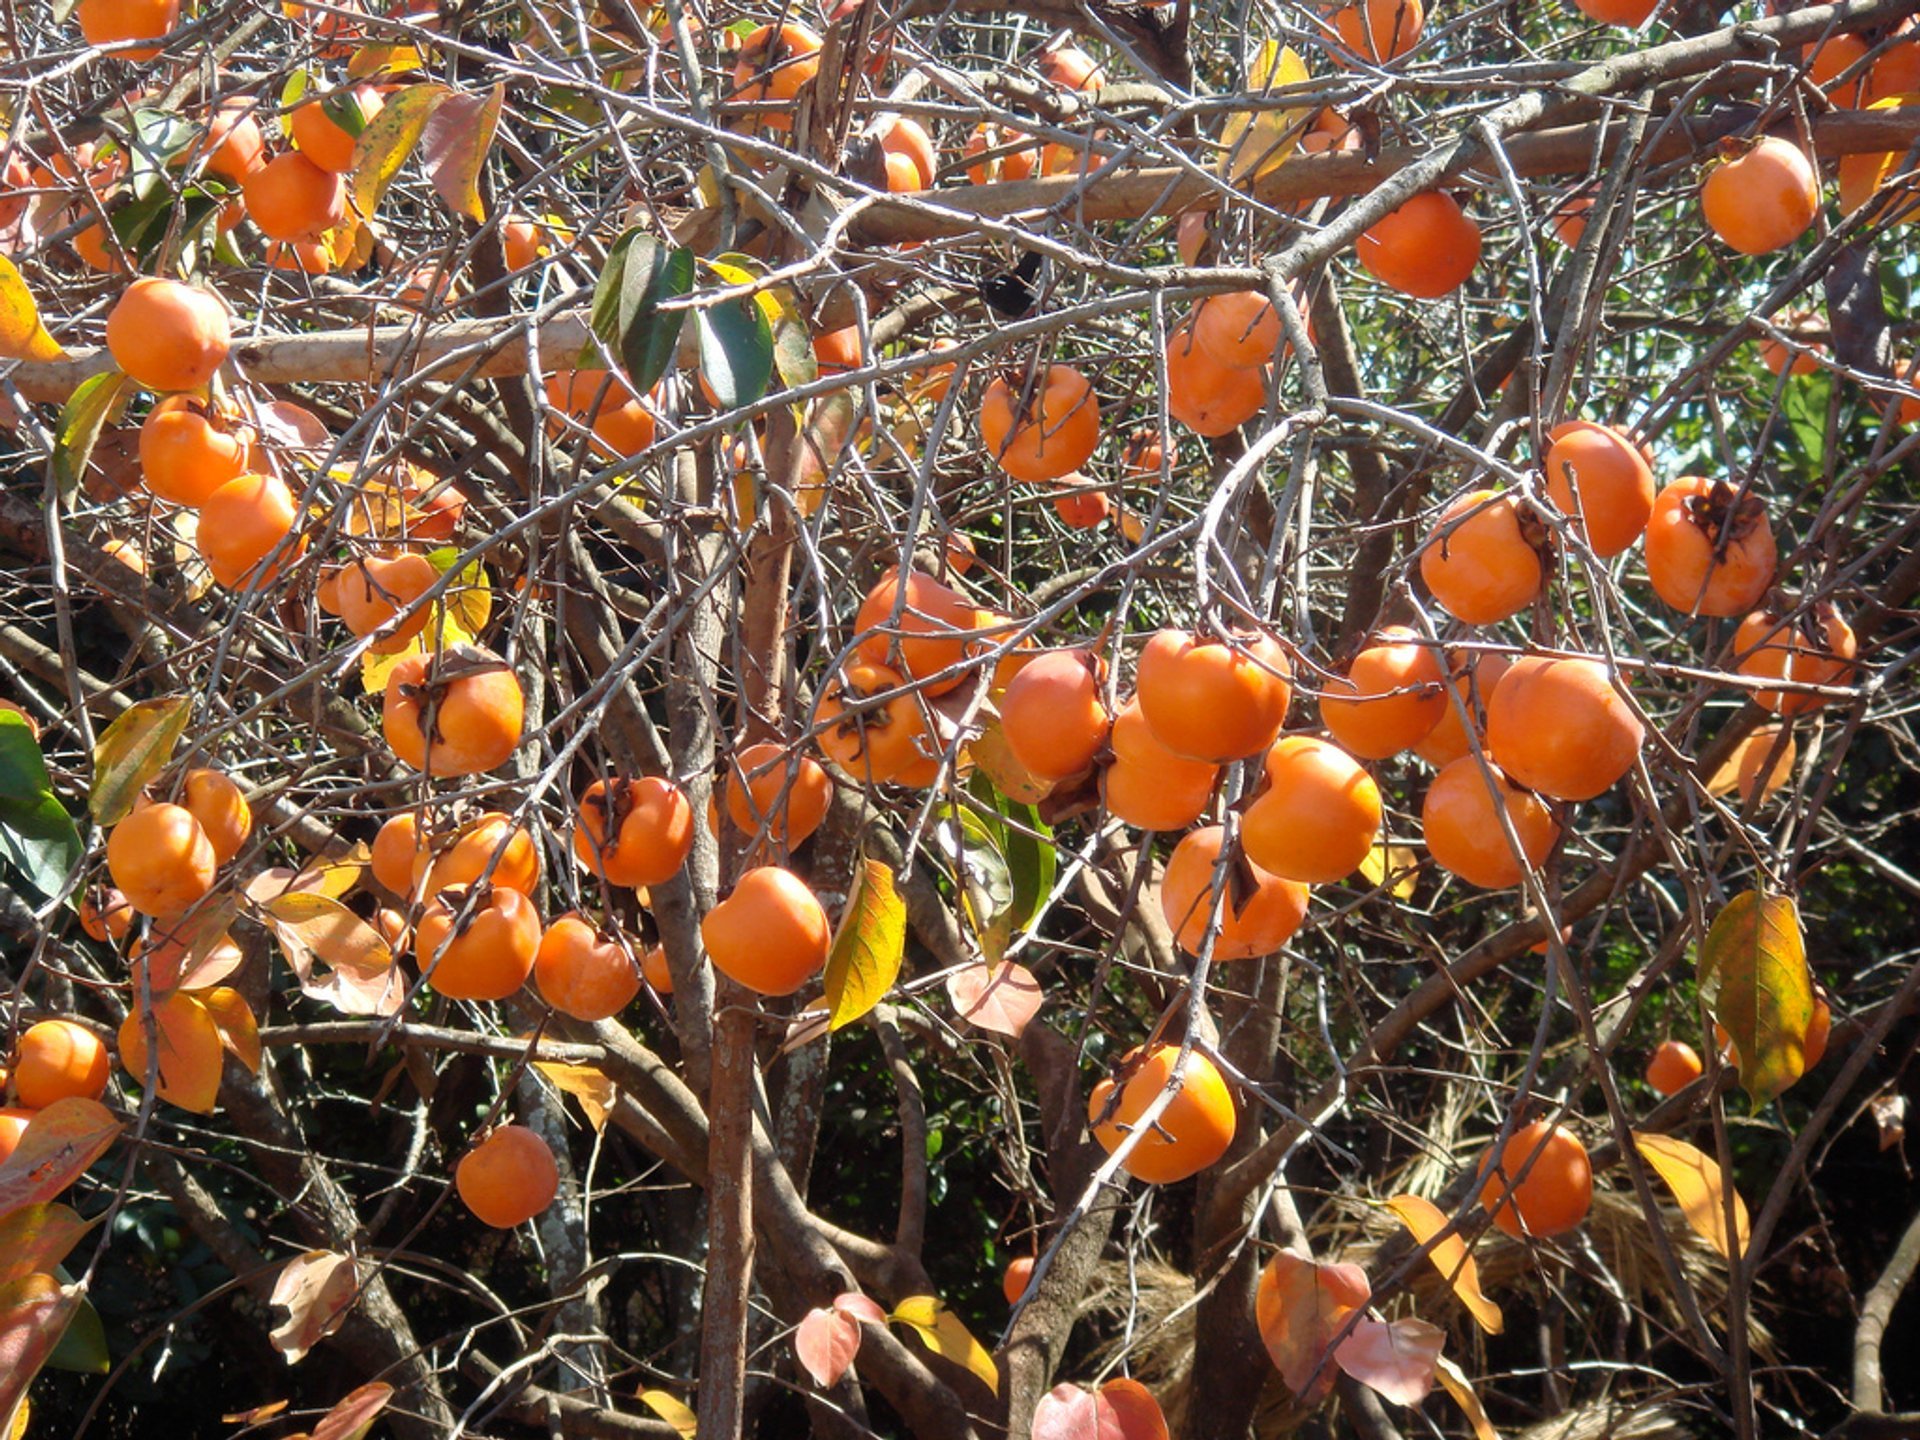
{"points": [[1862, 175], [994, 756], [1402, 861], [1697, 1184], [234, 1020], [383, 147], [1256, 141], [22, 336], [1461, 1389], [371, 60], [444, 628], [941, 1331], [131, 751], [20, 1417], [1450, 1257], [470, 597], [670, 1410], [190, 1051], [1753, 975], [595, 1092], [867, 951]]}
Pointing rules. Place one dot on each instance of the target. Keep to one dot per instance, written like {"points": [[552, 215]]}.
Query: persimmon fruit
{"points": [[188, 450], [1147, 784], [932, 635], [490, 957], [473, 848], [323, 139], [1052, 714], [292, 199], [1191, 1133], [1767, 648], [770, 788], [462, 716], [583, 972], [1210, 398], [1017, 1277], [161, 859], [1426, 248], [244, 522], [634, 831], [1259, 911], [371, 592], [1391, 697], [1240, 329], [112, 22], [1558, 727], [168, 335], [1597, 476], [1710, 547], [1473, 680], [1480, 562], [1378, 30], [397, 844], [56, 1059], [1673, 1066], [508, 1178], [1460, 820], [1214, 700], [1054, 434], [770, 934], [1319, 816], [1763, 198], [212, 798], [1557, 1191]]}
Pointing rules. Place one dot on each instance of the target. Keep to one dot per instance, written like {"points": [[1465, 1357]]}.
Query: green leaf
{"points": [[736, 351], [131, 751], [160, 137], [1804, 404], [342, 107], [294, 89], [383, 147], [974, 843], [640, 274], [83, 1348], [872, 941], [37, 838], [1026, 842], [86, 412], [1754, 978]]}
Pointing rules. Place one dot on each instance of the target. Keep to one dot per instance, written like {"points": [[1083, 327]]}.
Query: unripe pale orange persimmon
{"points": [[1149, 785], [1070, 67], [109, 22], [634, 832], [370, 592], [1019, 162], [1674, 1066], [212, 798], [324, 140], [396, 846], [933, 633], [461, 717], [1240, 329], [1378, 30], [234, 145], [1207, 397], [874, 743], [290, 198], [909, 139], [242, 523], [1084, 509], [1764, 198], [472, 849], [769, 787], [1710, 547], [1599, 476], [1056, 431], [1480, 562], [56, 1059], [1557, 1191], [582, 972], [1427, 248], [1214, 700], [1052, 714], [1560, 728], [161, 859], [656, 971], [1477, 674], [1192, 1132], [167, 335], [1391, 697], [770, 934], [1461, 824], [188, 450], [508, 1178], [487, 959], [1259, 912], [1767, 648], [1319, 816]]}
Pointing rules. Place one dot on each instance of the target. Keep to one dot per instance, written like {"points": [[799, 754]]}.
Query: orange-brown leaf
{"points": [[1450, 1257], [38, 1237], [1300, 1305], [190, 1051], [233, 1018], [55, 1149], [1700, 1188]]}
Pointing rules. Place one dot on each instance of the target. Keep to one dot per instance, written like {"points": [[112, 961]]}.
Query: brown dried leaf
{"points": [[316, 1288]]}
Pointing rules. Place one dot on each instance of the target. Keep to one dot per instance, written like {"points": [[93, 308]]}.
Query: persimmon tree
{"points": [[1060, 720]]}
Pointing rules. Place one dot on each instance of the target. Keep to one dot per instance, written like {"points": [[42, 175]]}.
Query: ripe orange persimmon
{"points": [[1052, 714], [1476, 673], [1070, 67], [1083, 509], [1674, 1066], [1391, 697], [1560, 728], [110, 22], [1630, 13], [14, 1120], [656, 971], [1480, 562], [161, 859], [370, 592], [1207, 397], [1259, 911], [168, 336], [396, 846], [1319, 816], [242, 523], [582, 972], [1192, 1132], [1149, 785], [1599, 476], [1710, 547], [1557, 1190], [472, 849], [234, 147], [1378, 30], [770, 934], [104, 913], [634, 832], [1240, 329], [1214, 700], [461, 716], [837, 352], [1766, 648], [508, 1178], [1461, 824], [490, 956], [1019, 1275], [1056, 431], [1022, 155], [188, 450], [56, 1059], [1827, 60], [291, 198], [874, 743], [933, 633], [212, 798], [769, 787], [324, 140], [1427, 248], [773, 62], [607, 405], [908, 139], [1777, 356], [1764, 198], [1897, 71]]}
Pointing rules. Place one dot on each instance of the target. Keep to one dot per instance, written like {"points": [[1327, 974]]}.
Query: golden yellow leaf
{"points": [[1696, 1182], [940, 1331], [595, 1092], [1256, 141], [445, 627], [868, 948], [670, 1410], [990, 751], [1754, 977], [22, 336], [191, 1051], [1401, 861], [1461, 1389], [18, 1428], [1450, 1257], [233, 1018]]}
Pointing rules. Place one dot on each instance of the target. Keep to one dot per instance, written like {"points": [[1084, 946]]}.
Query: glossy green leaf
{"points": [[867, 951], [83, 1348], [640, 274], [1754, 977], [81, 421], [736, 351], [37, 838], [131, 751]]}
